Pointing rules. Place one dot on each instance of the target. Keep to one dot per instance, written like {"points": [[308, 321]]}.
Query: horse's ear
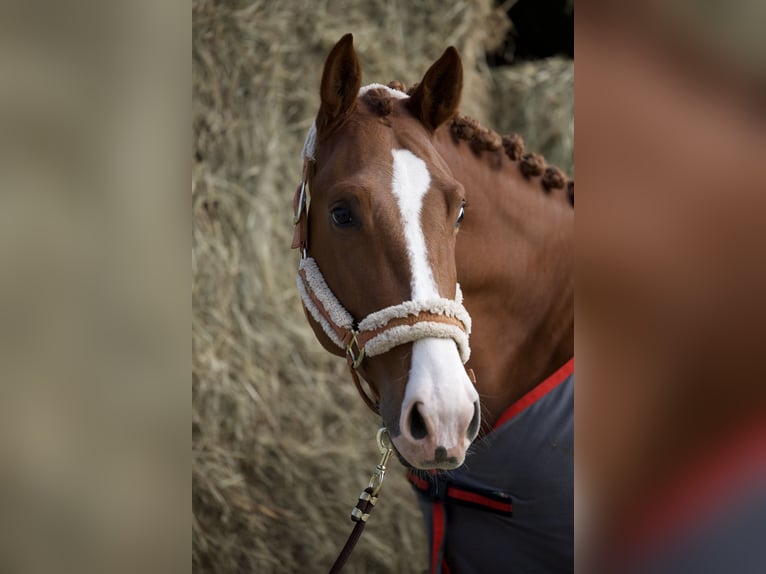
{"points": [[341, 80], [437, 97]]}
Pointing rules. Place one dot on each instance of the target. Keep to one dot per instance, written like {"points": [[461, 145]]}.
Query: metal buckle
{"points": [[301, 204], [356, 359], [386, 450]]}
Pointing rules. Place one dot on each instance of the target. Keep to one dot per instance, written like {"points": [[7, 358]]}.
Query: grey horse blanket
{"points": [[509, 508]]}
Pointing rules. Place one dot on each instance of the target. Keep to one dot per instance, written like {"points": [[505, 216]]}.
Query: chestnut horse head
{"points": [[378, 275]]}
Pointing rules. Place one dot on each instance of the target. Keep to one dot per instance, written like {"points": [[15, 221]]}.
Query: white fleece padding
{"points": [[437, 306], [392, 92], [396, 335], [401, 334], [321, 290]]}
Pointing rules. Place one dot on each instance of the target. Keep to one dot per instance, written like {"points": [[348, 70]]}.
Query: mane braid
{"points": [[381, 103], [481, 139], [532, 164], [514, 147], [553, 178]]}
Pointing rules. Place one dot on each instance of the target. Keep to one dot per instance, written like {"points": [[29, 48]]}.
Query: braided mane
{"points": [[480, 138]]}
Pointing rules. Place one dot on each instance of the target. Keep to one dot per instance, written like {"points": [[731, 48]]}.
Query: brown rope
{"points": [[364, 507]]}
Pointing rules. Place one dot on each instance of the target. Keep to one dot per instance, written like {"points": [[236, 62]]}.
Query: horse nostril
{"points": [[473, 427], [418, 428]]}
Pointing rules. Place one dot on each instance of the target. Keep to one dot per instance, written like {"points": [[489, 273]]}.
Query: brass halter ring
{"points": [[384, 440], [358, 357]]}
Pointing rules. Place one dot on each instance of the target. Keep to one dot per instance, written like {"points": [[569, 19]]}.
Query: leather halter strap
{"points": [[359, 338], [355, 340], [300, 213]]}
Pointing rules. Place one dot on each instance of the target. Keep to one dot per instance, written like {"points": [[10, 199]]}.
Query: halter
{"points": [[382, 330]]}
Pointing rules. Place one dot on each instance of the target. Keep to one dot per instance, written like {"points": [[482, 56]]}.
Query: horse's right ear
{"points": [[341, 80]]}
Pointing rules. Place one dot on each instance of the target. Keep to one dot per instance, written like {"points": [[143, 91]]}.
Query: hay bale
{"points": [[281, 443], [536, 100]]}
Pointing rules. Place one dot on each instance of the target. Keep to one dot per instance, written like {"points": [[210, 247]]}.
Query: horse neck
{"points": [[515, 265]]}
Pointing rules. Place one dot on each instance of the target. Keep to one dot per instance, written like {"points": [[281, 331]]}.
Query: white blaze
{"points": [[438, 382], [410, 185]]}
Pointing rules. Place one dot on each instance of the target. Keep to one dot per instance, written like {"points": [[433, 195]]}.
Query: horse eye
{"points": [[342, 217], [460, 215]]}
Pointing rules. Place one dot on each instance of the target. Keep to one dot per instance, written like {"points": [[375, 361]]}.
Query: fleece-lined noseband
{"points": [[381, 330]]}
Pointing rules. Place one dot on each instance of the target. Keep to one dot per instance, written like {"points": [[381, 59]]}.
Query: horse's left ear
{"points": [[437, 97]]}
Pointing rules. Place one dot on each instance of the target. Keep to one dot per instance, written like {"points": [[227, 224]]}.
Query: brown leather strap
{"points": [[345, 335], [373, 402]]}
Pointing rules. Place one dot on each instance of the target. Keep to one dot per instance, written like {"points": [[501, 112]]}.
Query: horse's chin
{"points": [[429, 465]]}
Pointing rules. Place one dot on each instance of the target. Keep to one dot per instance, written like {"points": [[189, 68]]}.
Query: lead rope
{"points": [[366, 503]]}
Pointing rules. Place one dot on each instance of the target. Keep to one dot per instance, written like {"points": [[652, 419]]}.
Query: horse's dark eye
{"points": [[342, 216], [460, 215]]}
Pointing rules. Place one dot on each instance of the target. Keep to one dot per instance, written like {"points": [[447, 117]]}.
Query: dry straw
{"points": [[281, 442], [539, 104]]}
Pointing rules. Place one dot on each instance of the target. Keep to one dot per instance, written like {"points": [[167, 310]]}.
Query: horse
{"points": [[437, 257]]}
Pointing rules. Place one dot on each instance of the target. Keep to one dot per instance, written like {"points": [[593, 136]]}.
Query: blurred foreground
{"points": [[671, 442]]}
